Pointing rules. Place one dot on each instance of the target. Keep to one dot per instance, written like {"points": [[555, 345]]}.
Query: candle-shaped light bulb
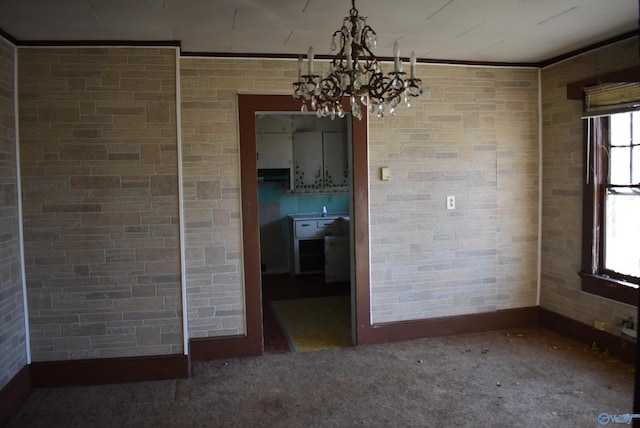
{"points": [[347, 52], [300, 65], [310, 55], [396, 54], [413, 65]]}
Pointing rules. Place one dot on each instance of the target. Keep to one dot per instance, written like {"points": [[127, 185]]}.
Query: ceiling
{"points": [[510, 31]]}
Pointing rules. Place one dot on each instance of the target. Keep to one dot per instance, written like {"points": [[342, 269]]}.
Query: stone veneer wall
{"points": [[99, 169], [211, 180], [562, 188], [474, 134], [100, 190], [13, 348]]}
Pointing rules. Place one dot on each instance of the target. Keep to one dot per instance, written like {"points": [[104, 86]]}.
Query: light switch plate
{"points": [[384, 173]]}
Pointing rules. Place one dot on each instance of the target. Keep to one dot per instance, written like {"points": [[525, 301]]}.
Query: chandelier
{"points": [[355, 72]]}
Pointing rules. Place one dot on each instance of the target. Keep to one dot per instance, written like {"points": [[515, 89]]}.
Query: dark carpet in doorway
{"points": [[316, 323]]}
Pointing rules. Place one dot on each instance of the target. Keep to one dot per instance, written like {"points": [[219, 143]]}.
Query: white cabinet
{"points": [[274, 150], [320, 160], [307, 160]]}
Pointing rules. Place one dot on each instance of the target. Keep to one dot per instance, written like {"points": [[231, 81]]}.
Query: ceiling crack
{"points": [[557, 15], [95, 13], [469, 30], [489, 46], [437, 11], [288, 37]]}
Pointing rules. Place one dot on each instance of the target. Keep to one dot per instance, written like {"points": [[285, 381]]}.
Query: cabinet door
{"points": [[274, 150], [336, 166], [307, 159]]}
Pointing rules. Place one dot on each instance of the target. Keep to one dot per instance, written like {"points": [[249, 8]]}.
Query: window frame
{"points": [[595, 278]]}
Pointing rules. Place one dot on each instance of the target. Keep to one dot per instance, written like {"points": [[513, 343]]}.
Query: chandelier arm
{"points": [[384, 89], [363, 39], [370, 60], [375, 88], [333, 38], [331, 91], [341, 55], [394, 89]]}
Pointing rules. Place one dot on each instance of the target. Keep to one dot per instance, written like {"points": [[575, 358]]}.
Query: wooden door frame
{"points": [[248, 106]]}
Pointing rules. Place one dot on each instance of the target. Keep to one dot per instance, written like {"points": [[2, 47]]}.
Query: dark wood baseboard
{"points": [[448, 326], [14, 393], [616, 346], [212, 348], [109, 370]]}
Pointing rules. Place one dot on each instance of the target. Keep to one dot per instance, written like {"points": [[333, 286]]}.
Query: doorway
{"points": [[304, 206], [249, 106]]}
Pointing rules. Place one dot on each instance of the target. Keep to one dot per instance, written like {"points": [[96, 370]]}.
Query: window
{"points": [[622, 198], [611, 238]]}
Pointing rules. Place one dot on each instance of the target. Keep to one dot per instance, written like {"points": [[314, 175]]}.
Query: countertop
{"points": [[320, 216]]}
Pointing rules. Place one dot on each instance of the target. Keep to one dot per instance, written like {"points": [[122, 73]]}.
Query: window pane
{"points": [[622, 234], [620, 125], [620, 161]]}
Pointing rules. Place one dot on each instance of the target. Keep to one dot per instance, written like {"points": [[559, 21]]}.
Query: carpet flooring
{"points": [[508, 378], [316, 323]]}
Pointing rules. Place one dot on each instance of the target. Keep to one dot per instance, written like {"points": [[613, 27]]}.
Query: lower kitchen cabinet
{"points": [[307, 243]]}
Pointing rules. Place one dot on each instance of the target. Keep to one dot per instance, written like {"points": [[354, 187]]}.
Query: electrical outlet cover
{"points": [[451, 202]]}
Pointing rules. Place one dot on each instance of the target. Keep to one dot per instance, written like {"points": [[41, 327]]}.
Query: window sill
{"points": [[603, 286]]}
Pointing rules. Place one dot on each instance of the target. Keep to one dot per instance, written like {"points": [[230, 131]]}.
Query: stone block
{"points": [[164, 185], [215, 255], [95, 182], [162, 267], [110, 219], [140, 84], [59, 114], [159, 112], [139, 304], [144, 290], [85, 257], [84, 329], [83, 152], [148, 335], [207, 190], [71, 343], [157, 254]]}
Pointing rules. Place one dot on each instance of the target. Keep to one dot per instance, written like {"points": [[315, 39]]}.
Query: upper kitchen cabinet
{"points": [[336, 164], [320, 161], [275, 150], [307, 160]]}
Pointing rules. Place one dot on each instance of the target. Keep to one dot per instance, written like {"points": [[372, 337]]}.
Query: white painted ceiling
{"points": [[515, 31]]}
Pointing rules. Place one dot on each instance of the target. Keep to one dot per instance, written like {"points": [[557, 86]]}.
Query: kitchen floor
{"points": [[284, 287]]}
